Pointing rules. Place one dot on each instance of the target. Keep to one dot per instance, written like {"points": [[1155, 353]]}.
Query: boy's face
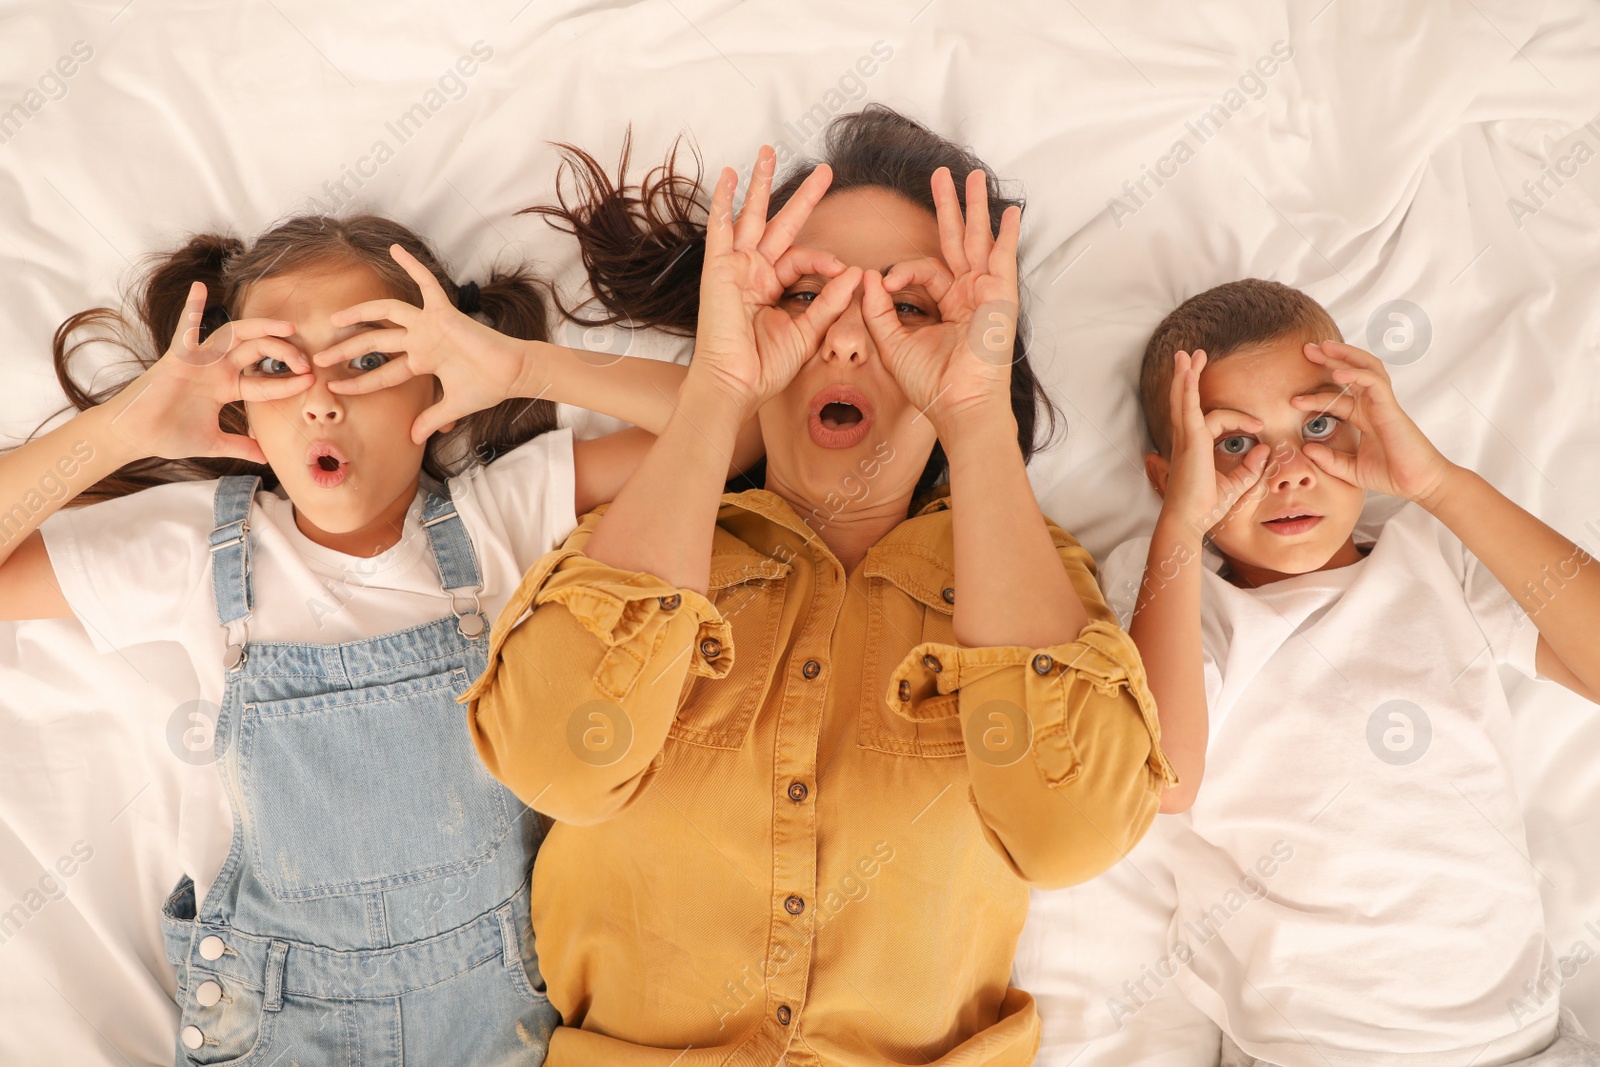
{"points": [[1298, 517]]}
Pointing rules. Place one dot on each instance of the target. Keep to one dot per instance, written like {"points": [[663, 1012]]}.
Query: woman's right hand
{"points": [[745, 341], [172, 409]]}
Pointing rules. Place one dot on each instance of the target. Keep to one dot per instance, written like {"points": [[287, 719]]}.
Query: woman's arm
{"points": [[170, 411]]}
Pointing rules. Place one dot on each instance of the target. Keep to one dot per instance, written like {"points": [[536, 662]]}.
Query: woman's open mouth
{"points": [[839, 417], [327, 464]]}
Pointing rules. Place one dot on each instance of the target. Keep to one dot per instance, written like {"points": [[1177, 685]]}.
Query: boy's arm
{"points": [[1553, 579], [1166, 620]]}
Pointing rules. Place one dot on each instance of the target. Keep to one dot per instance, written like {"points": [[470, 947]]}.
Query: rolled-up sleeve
{"points": [[1063, 743], [586, 667]]}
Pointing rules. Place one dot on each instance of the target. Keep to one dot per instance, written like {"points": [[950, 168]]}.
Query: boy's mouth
{"points": [[1294, 523], [327, 464]]}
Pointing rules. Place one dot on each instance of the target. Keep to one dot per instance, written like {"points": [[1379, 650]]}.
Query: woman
{"points": [[800, 784]]}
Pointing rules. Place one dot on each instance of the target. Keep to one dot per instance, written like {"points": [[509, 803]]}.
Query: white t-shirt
{"points": [[138, 569], [1353, 883]]}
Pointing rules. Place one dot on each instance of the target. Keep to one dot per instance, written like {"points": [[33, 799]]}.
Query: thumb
{"points": [[1341, 465], [237, 446], [432, 420]]}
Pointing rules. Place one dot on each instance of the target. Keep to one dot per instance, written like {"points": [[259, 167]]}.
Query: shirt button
{"points": [[211, 948], [207, 994], [670, 602], [794, 905], [783, 1014], [905, 690], [931, 662], [797, 791], [711, 648], [811, 669], [1042, 663], [949, 596], [191, 1037]]}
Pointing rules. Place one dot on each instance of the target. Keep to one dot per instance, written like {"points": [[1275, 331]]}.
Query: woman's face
{"points": [[346, 460], [843, 433]]}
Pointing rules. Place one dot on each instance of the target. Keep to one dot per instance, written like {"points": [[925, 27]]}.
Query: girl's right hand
{"points": [[171, 410], [1198, 494], [745, 342]]}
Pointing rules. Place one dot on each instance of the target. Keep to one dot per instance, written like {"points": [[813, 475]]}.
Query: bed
{"points": [[1427, 159]]}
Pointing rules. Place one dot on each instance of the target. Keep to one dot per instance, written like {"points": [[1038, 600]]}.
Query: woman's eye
{"points": [[370, 361], [1236, 444], [904, 307], [269, 366], [1320, 427], [805, 296]]}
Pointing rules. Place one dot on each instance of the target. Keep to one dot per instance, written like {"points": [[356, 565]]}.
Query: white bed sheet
{"points": [[1375, 164]]}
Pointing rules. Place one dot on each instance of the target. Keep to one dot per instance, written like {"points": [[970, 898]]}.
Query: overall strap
{"points": [[230, 547], [452, 553]]}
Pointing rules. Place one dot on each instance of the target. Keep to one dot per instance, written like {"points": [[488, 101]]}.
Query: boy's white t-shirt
{"points": [[1353, 879], [138, 569]]}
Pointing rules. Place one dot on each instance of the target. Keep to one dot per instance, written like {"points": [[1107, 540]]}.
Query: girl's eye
{"points": [[370, 361], [1236, 444], [1321, 427], [268, 366]]}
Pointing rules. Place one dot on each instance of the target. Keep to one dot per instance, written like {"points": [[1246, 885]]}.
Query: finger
{"points": [[187, 335], [1370, 381], [1340, 405], [391, 373], [782, 227], [399, 312], [432, 420], [800, 261], [947, 209], [1003, 257], [1342, 465], [928, 273], [825, 309], [752, 218], [236, 446], [979, 239], [241, 330], [390, 340], [432, 291], [1175, 399], [1247, 474], [1351, 354], [877, 310], [1218, 421], [259, 388], [719, 221]]}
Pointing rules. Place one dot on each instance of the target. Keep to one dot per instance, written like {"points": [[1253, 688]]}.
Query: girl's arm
{"points": [[170, 411]]}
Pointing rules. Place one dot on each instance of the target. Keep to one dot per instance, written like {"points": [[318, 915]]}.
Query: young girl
{"points": [[808, 744], [329, 564]]}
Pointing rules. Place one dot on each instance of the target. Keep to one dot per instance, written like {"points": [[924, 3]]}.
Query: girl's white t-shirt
{"points": [[138, 569], [1354, 872]]}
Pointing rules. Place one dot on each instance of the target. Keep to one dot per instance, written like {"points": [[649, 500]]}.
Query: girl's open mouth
{"points": [[327, 464], [840, 417]]}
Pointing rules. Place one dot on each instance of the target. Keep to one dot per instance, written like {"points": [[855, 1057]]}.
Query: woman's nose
{"points": [[847, 338]]}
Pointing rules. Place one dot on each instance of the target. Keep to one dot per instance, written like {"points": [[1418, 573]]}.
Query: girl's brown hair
{"points": [[511, 301], [643, 245]]}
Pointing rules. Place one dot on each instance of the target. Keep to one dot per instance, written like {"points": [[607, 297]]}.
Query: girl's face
{"points": [[843, 431], [347, 461]]}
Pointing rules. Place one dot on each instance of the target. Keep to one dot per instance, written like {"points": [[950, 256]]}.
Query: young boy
{"points": [[1353, 883]]}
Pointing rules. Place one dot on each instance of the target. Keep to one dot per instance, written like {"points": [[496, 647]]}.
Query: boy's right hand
{"points": [[1198, 495], [171, 409]]}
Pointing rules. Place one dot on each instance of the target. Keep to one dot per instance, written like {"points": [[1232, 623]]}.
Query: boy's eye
{"points": [[370, 361], [1236, 444], [1320, 427], [266, 365]]}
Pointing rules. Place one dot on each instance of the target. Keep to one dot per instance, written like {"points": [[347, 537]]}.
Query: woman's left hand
{"points": [[961, 365]]}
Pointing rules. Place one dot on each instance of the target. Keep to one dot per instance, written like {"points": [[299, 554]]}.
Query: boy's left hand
{"points": [[1394, 456]]}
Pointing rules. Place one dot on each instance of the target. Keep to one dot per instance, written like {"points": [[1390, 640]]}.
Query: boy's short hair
{"points": [[1221, 321]]}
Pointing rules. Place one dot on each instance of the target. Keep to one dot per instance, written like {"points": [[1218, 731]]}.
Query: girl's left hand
{"points": [[1393, 456], [478, 366], [962, 364]]}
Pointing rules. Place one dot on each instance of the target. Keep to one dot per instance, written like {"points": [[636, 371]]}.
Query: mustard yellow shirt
{"points": [[793, 817]]}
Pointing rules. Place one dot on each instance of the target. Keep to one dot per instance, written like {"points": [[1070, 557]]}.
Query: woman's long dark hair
{"points": [[510, 300], [643, 245]]}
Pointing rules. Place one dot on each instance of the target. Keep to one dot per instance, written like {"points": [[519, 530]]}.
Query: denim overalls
{"points": [[373, 908]]}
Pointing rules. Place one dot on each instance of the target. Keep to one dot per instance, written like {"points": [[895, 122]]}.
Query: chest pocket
{"points": [[910, 599], [717, 712]]}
